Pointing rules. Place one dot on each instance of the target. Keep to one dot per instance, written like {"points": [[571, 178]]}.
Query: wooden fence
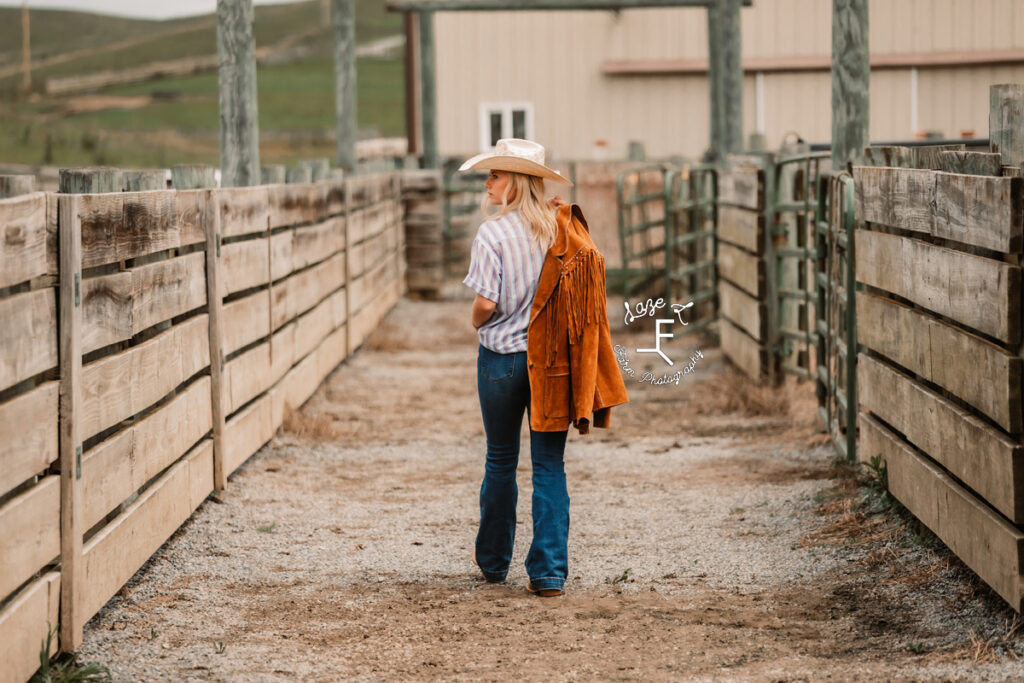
{"points": [[938, 266], [152, 342], [744, 284]]}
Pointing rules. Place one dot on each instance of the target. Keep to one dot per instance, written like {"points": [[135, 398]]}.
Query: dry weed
{"points": [[315, 428], [734, 393]]}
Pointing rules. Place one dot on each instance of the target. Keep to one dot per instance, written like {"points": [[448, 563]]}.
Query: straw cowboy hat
{"points": [[515, 154]]}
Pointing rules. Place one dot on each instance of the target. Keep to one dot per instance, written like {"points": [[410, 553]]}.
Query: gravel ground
{"points": [[708, 542]]}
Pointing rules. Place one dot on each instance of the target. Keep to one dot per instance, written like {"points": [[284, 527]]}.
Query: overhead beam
{"points": [[486, 5]]}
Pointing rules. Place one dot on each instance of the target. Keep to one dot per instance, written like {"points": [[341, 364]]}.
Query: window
{"points": [[504, 120]]}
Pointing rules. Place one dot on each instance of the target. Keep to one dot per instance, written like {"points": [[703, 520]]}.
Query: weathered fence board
{"points": [[28, 335], [31, 537], [246, 320], [116, 552], [24, 624], [986, 542], [315, 243], [243, 210], [244, 265], [980, 456], [977, 210], [121, 385], [979, 292], [293, 204], [742, 309], [743, 269], [123, 463], [314, 326], [23, 240], [255, 371], [742, 227], [741, 186], [118, 306], [247, 431], [741, 349], [973, 163], [124, 225], [29, 426], [990, 380]]}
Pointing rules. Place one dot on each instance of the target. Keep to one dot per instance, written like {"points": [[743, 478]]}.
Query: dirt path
{"points": [[707, 542]]}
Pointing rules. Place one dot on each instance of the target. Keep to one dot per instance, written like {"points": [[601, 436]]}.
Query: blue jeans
{"points": [[504, 388]]}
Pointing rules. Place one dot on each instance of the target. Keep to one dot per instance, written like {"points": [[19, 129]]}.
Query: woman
{"points": [[507, 259]]}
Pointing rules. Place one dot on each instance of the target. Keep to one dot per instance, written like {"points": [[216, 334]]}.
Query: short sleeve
{"points": [[484, 276]]}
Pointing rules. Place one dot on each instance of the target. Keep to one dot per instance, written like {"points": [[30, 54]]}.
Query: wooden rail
{"points": [[152, 342]]}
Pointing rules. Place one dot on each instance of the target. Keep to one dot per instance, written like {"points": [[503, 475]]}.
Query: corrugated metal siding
{"points": [[554, 60]]}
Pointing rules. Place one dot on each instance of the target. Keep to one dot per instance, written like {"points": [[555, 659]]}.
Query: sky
{"points": [[144, 9]]}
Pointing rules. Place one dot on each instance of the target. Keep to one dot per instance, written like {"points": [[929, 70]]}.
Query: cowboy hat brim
{"points": [[502, 162]]}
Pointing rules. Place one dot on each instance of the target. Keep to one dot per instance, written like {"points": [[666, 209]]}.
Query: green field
{"points": [[176, 120]]}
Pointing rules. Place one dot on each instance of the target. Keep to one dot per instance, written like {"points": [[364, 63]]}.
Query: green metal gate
{"points": [[836, 306], [791, 190], [461, 205], [667, 220]]}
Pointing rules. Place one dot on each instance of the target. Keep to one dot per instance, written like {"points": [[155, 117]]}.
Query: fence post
{"points": [[139, 181], [15, 185], [731, 77], [70, 298], [319, 169], [193, 177], [89, 180], [301, 174], [236, 77], [345, 81], [348, 267], [428, 89], [1005, 118], [211, 224], [851, 77], [272, 174]]}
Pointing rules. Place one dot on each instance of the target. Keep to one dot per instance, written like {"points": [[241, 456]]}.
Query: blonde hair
{"points": [[529, 199]]}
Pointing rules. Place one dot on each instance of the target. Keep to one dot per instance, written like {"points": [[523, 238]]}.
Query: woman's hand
{"points": [[483, 309], [557, 201]]}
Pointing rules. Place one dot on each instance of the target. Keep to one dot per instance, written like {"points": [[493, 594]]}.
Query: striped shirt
{"points": [[505, 267]]}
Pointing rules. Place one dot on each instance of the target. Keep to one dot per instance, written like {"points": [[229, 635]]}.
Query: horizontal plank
{"points": [[314, 326], [976, 210], [123, 463], [978, 292], [315, 243], [28, 335], [118, 226], [973, 163], [29, 426], [745, 311], [255, 371], [980, 456], [971, 368], [742, 227], [116, 552], [24, 624], [246, 432], [304, 290], [244, 265], [243, 210], [301, 381], [246, 320], [742, 268], [281, 254], [335, 191], [124, 384], [742, 350], [24, 251], [332, 351], [369, 285], [296, 203], [31, 537], [985, 542], [370, 189], [741, 186], [118, 306]]}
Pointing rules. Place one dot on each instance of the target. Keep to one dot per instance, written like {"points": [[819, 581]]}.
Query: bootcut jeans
{"points": [[504, 388]]}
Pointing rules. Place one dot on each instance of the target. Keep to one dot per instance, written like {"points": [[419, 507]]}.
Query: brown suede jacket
{"points": [[572, 367]]}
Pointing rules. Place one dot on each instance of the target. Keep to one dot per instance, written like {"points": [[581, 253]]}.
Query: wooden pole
{"points": [[272, 173], [26, 49], [89, 180], [299, 175], [851, 78], [715, 81], [1006, 122], [319, 169], [70, 302], [211, 223], [345, 81], [487, 5], [412, 125], [428, 92], [239, 124], [139, 181], [193, 176], [15, 185], [731, 77]]}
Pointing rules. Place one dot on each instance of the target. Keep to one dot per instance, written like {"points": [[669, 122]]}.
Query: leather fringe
{"points": [[579, 299]]}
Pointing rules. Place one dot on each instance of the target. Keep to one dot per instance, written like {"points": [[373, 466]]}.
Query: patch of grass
{"points": [[620, 578], [66, 669], [267, 528]]}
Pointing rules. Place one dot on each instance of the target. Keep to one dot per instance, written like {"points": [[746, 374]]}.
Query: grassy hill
{"points": [[175, 120]]}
